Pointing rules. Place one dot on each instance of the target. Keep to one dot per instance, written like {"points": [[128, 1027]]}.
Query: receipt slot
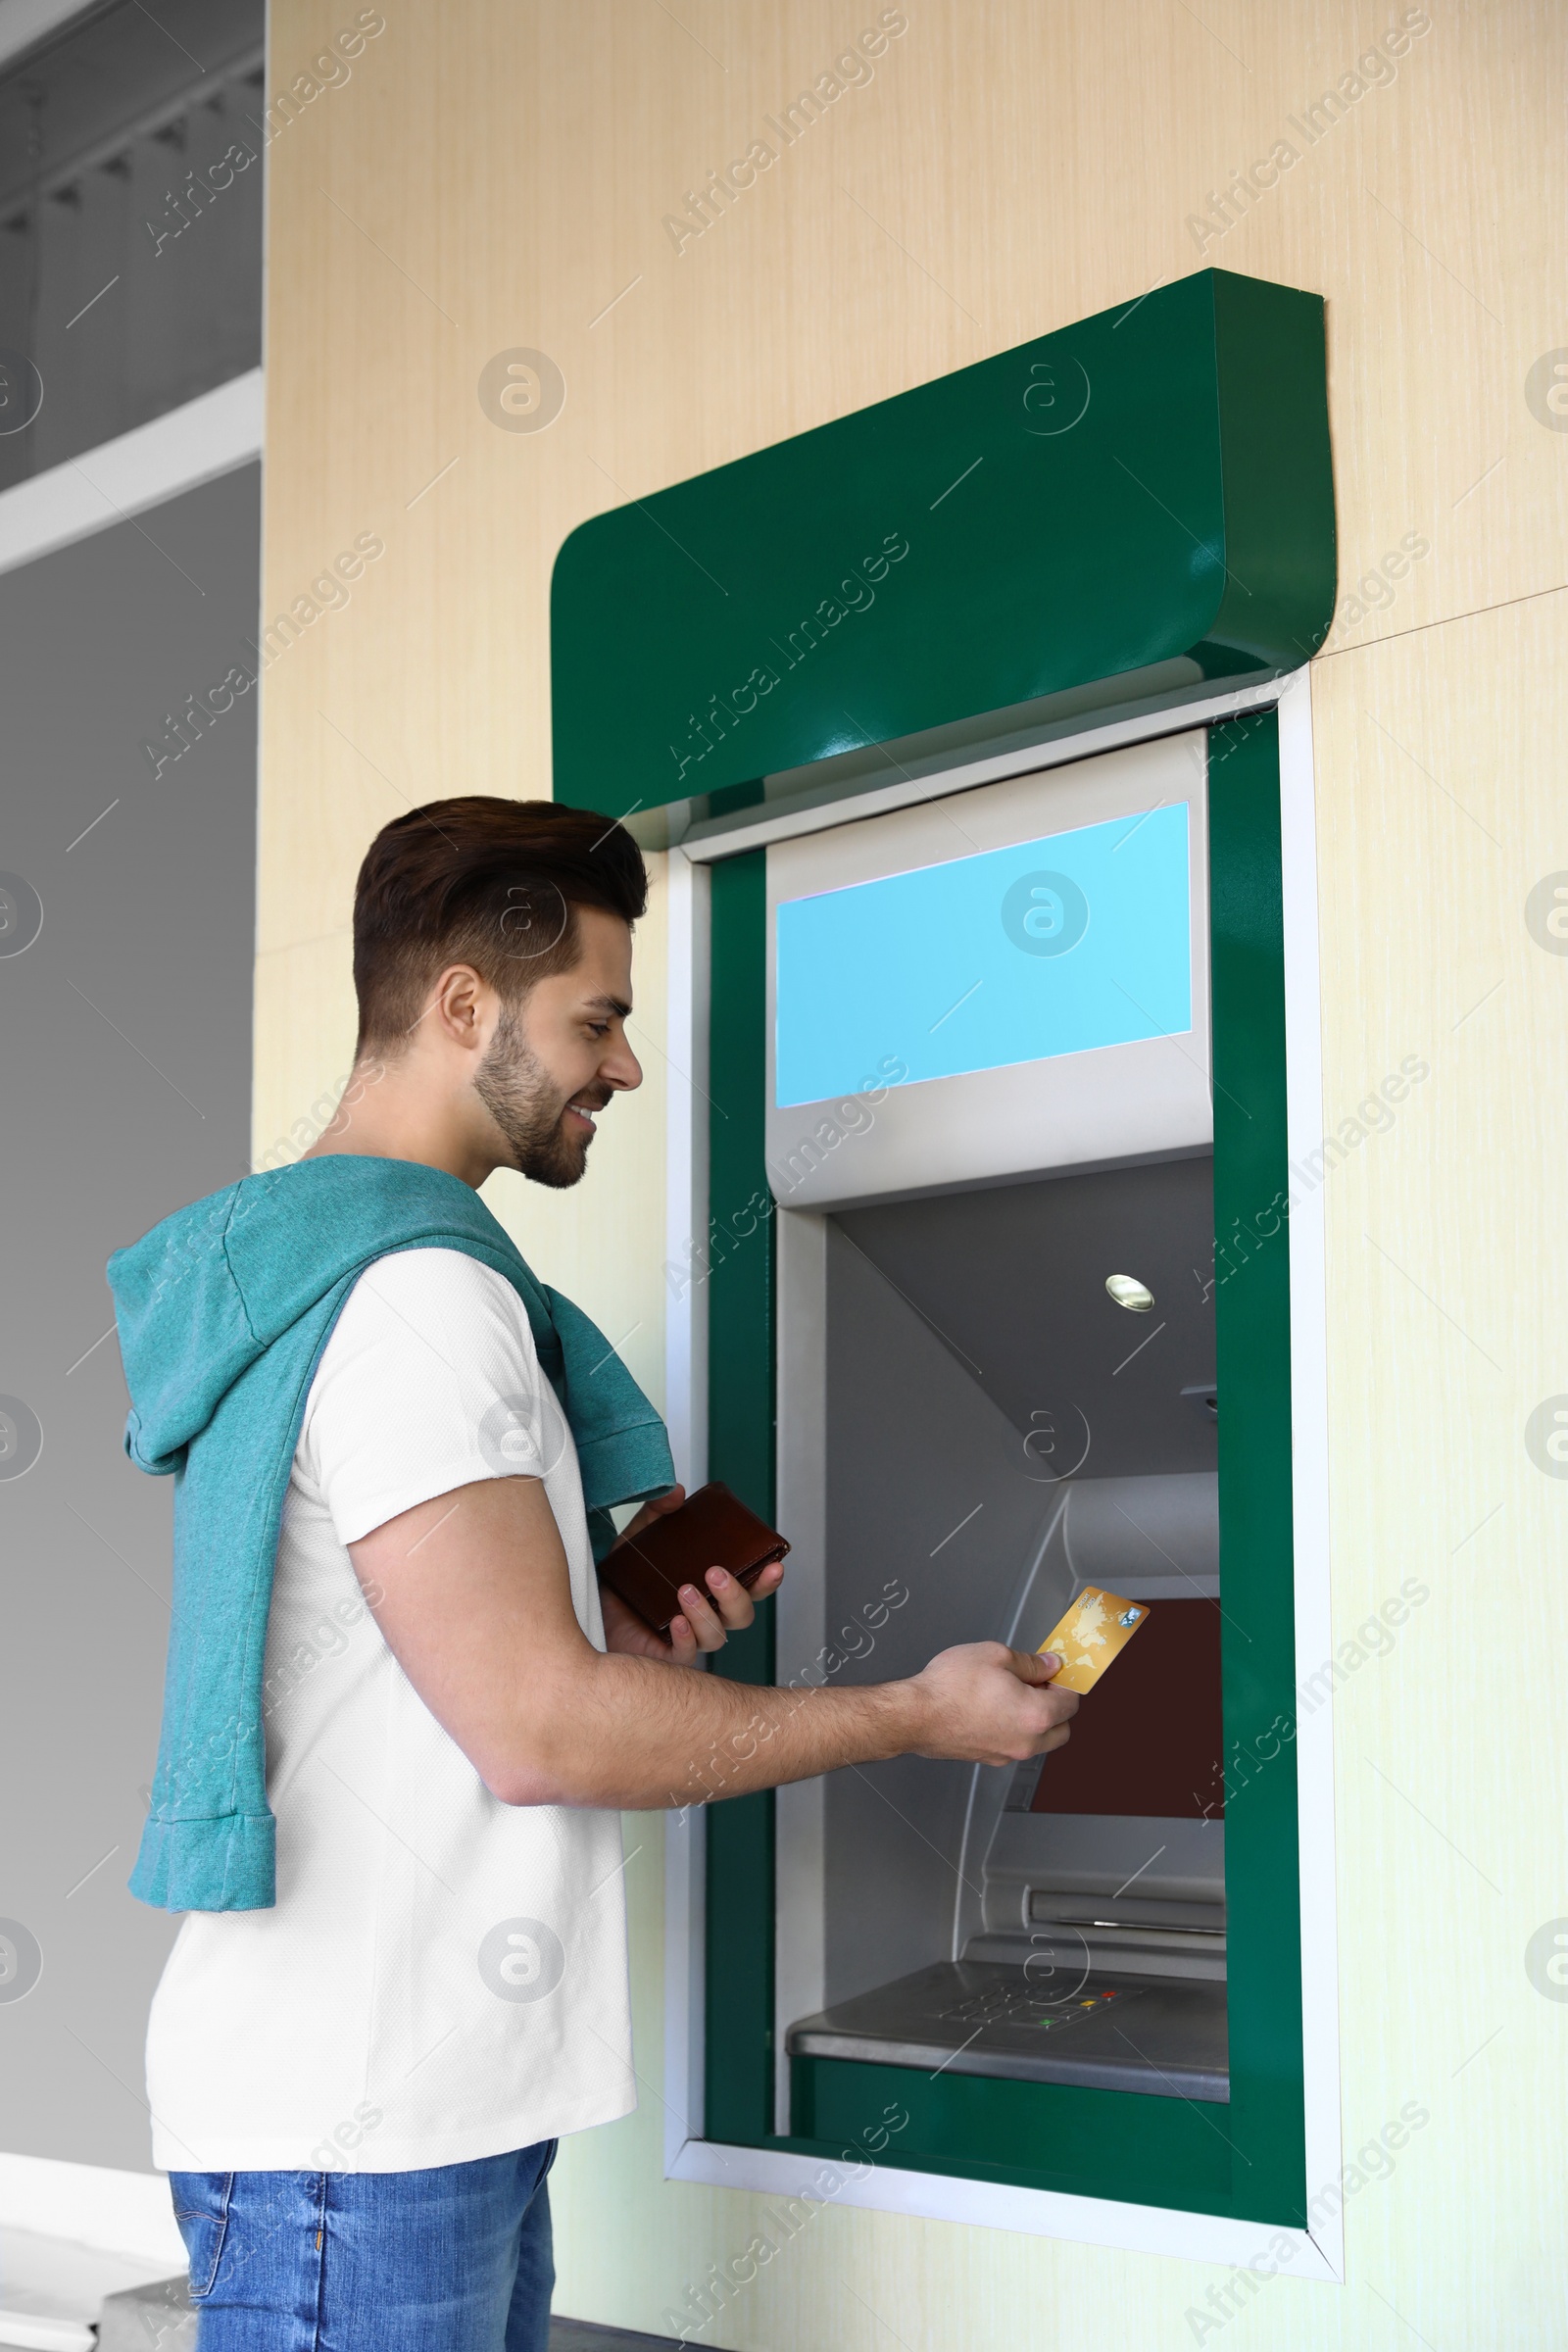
{"points": [[1017, 1073]]}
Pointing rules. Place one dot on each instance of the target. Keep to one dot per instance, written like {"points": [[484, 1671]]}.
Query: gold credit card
{"points": [[1095, 1632]]}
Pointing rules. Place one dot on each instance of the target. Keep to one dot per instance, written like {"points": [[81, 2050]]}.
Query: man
{"points": [[361, 2056]]}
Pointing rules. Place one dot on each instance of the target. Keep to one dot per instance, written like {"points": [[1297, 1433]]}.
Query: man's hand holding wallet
{"points": [[686, 1574]]}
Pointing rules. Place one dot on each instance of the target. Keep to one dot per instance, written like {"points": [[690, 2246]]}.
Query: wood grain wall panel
{"points": [[1447, 1270], [494, 175]]}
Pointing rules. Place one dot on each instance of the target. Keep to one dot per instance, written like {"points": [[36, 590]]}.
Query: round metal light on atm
{"points": [[1129, 1292]]}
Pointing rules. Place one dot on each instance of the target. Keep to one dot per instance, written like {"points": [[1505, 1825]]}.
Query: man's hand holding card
{"points": [[1092, 1633]]}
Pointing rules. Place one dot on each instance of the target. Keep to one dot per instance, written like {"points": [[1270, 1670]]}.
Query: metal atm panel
{"points": [[996, 1433]]}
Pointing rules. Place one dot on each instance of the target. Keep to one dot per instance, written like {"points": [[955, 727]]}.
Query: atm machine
{"points": [[976, 726], [1010, 1315], [990, 1143]]}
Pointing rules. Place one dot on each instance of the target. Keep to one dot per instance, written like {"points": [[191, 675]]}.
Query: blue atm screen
{"points": [[1053, 947]]}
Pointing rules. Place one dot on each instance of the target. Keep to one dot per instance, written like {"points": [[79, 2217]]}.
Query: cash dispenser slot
{"points": [[1000, 1434]]}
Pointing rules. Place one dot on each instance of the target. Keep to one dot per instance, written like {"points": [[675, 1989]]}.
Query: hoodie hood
{"points": [[205, 1293]]}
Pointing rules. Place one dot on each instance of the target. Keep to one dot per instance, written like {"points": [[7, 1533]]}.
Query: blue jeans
{"points": [[456, 2259]]}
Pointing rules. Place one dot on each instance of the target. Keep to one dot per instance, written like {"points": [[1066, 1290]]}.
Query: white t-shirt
{"points": [[443, 1977]]}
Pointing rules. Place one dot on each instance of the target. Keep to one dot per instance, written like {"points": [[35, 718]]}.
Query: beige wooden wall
{"points": [[494, 173]]}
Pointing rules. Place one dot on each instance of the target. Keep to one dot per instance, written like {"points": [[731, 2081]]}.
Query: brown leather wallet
{"points": [[712, 1528]]}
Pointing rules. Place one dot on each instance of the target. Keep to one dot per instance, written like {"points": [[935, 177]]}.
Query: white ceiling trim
{"points": [[177, 452], [24, 24]]}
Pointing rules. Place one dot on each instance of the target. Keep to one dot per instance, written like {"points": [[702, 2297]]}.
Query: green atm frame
{"points": [[1121, 529]]}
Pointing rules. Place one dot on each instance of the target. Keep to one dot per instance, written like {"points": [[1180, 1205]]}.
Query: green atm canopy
{"points": [[1113, 518]]}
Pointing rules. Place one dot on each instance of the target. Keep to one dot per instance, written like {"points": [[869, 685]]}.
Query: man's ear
{"points": [[462, 1008]]}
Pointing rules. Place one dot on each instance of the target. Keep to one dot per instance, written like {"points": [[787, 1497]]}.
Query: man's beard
{"points": [[517, 1091]]}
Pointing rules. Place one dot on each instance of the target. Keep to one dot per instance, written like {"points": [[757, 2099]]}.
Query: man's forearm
{"points": [[472, 1594], [628, 1731]]}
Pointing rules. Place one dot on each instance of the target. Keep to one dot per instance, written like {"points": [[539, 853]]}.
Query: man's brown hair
{"points": [[489, 882]]}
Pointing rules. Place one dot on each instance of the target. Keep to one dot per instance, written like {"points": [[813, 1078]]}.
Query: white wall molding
{"points": [[992, 2205], [91, 2205], [190, 445], [686, 1416], [27, 24], [1309, 1465]]}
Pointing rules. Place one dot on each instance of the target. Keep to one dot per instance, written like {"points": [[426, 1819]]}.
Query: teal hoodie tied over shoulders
{"points": [[223, 1310]]}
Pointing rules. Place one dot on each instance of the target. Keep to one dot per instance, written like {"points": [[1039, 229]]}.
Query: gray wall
{"points": [[124, 1084]]}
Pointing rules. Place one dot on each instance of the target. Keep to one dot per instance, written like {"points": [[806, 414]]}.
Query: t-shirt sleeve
{"points": [[429, 1381]]}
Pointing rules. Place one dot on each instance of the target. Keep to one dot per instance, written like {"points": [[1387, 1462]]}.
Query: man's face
{"points": [[554, 1061]]}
